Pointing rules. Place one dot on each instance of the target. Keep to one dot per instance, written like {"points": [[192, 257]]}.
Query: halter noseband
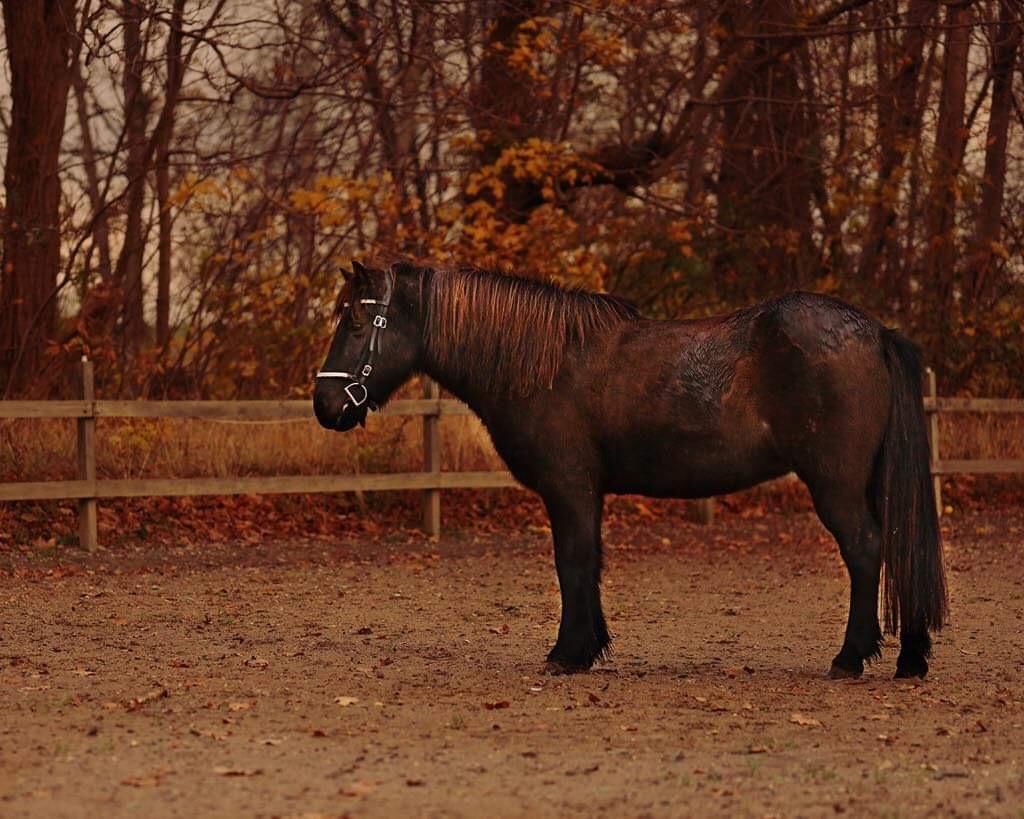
{"points": [[356, 390]]}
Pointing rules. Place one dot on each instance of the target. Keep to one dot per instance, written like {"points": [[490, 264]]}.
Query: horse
{"points": [[584, 397]]}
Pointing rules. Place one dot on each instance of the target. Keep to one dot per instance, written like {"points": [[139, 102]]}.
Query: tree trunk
{"points": [[163, 178], [985, 247], [770, 158], [505, 107], [100, 228], [899, 122], [950, 139], [39, 45], [129, 263]]}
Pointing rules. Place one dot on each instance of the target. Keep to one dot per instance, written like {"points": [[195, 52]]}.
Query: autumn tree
{"points": [[40, 36], [223, 159]]}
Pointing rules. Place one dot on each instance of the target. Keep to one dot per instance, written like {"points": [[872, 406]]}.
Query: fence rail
{"points": [[87, 488]]}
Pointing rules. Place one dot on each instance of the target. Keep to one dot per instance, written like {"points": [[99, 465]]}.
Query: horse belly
{"points": [[694, 465]]}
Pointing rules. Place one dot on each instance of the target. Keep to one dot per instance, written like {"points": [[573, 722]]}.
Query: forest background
{"points": [[183, 178]]}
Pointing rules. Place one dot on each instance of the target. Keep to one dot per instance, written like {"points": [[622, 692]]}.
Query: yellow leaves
{"points": [[539, 23], [536, 39], [192, 186], [607, 49], [540, 41], [312, 201], [466, 142], [542, 161], [330, 183], [827, 284], [340, 200], [486, 179], [999, 249], [681, 233]]}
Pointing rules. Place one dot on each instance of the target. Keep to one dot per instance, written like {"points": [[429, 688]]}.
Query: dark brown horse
{"points": [[583, 397]]}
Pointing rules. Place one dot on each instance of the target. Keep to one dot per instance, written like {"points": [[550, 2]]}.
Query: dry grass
{"points": [[36, 450], [172, 448], [981, 435]]}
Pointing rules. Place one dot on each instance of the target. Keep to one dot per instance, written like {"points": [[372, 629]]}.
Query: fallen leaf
{"points": [[150, 780], [800, 719], [493, 706], [222, 770], [196, 732], [345, 702], [951, 775], [137, 702], [358, 788], [239, 706]]}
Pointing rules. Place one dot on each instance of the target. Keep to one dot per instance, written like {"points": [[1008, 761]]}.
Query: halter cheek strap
{"points": [[356, 391]]}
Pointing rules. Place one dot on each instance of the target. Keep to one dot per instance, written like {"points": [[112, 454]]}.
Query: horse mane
{"points": [[510, 332]]}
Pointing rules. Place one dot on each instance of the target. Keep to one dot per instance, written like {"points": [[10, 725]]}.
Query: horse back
{"points": [[696, 408]]}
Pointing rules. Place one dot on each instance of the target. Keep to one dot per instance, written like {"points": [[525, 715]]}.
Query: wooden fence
{"points": [[87, 489]]}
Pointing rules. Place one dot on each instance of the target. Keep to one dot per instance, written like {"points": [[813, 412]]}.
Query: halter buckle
{"points": [[380, 321], [367, 369]]}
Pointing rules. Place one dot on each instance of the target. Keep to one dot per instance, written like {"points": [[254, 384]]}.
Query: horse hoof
{"points": [[911, 672], [837, 672], [557, 668]]}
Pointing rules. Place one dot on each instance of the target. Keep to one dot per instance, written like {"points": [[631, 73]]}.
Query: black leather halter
{"points": [[356, 390]]}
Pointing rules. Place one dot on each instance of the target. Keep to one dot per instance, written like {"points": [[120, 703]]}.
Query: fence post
{"points": [[87, 536], [933, 437], [432, 461], [706, 510]]}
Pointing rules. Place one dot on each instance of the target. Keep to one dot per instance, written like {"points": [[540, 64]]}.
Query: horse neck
{"points": [[471, 391], [466, 389]]}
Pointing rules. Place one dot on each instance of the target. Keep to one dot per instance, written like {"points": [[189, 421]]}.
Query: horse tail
{"points": [[914, 597]]}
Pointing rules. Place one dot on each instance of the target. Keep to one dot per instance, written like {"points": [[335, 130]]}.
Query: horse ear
{"points": [[346, 275], [359, 270]]}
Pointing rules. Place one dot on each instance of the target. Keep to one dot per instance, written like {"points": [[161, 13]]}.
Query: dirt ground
{"points": [[396, 676]]}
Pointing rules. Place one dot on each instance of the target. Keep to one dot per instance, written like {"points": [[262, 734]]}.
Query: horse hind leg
{"points": [[848, 517]]}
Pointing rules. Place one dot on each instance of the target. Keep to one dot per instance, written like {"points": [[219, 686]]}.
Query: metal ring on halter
{"points": [[357, 402]]}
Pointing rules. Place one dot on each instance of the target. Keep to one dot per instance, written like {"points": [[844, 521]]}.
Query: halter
{"points": [[356, 390]]}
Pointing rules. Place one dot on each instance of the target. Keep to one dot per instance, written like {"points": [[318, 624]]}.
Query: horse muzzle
{"points": [[340, 407]]}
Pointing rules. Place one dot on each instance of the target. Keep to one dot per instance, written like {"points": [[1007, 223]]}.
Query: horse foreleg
{"points": [[582, 635]]}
